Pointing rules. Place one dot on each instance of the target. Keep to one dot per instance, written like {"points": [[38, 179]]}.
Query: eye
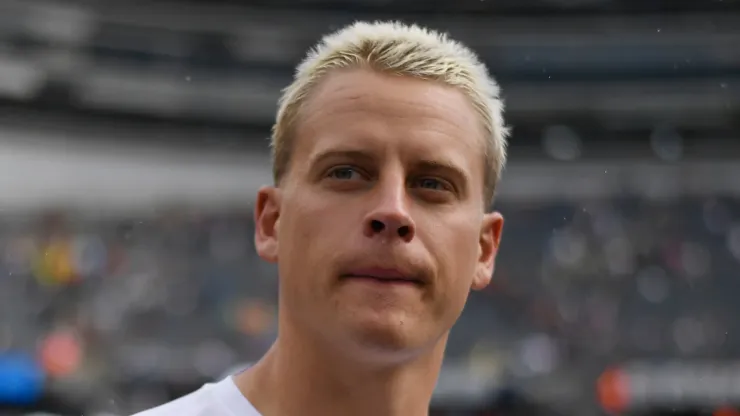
{"points": [[343, 173], [433, 184]]}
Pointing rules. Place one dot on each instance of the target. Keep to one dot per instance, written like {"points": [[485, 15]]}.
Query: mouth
{"points": [[383, 276]]}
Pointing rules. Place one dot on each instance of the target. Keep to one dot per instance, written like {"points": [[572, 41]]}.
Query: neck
{"points": [[300, 377]]}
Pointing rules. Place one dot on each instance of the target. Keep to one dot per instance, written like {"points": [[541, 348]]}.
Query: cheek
{"points": [[456, 265], [457, 251], [294, 233], [306, 229]]}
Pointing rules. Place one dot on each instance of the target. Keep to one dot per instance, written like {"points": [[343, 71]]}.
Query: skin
{"points": [[387, 171]]}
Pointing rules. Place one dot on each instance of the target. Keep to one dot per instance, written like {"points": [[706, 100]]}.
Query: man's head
{"points": [[387, 150]]}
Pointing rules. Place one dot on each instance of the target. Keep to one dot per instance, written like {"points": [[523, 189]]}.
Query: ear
{"points": [[267, 221], [490, 239]]}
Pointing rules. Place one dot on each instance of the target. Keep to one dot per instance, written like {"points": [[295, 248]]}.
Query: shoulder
{"points": [[198, 403], [217, 399]]}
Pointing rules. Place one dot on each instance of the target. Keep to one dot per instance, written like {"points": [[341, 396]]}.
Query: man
{"points": [[387, 150]]}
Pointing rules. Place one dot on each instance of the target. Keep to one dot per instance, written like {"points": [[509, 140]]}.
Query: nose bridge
{"points": [[389, 215], [391, 194]]}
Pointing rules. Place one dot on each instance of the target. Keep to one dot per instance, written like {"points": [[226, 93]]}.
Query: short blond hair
{"points": [[406, 50]]}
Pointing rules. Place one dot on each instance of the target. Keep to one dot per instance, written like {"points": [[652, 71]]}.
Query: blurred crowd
{"points": [[107, 303], [134, 307], [623, 277]]}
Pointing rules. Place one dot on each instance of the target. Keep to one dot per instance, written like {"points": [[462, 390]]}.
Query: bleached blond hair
{"points": [[400, 49]]}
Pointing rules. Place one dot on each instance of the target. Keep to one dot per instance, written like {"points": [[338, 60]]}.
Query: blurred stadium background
{"points": [[133, 137]]}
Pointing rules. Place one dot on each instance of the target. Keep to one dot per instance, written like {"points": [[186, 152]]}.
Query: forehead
{"points": [[369, 109]]}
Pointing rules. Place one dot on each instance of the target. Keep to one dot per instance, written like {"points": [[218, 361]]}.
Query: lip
{"points": [[382, 274]]}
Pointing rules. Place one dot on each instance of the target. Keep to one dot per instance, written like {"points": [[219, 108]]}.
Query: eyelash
{"points": [[444, 185], [333, 171]]}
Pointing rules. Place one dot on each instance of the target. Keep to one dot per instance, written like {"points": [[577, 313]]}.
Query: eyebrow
{"points": [[437, 165], [355, 155]]}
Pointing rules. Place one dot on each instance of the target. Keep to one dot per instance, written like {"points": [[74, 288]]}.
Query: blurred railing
{"points": [[229, 64], [40, 170]]}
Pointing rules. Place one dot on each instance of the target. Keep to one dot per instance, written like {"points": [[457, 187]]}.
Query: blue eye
{"points": [[431, 183], [343, 173]]}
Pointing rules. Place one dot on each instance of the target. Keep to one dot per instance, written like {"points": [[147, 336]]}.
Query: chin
{"points": [[386, 336]]}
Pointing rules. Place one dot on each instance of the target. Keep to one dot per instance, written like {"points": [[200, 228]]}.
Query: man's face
{"points": [[378, 227]]}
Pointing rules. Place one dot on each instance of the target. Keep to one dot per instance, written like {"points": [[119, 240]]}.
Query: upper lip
{"points": [[384, 273]]}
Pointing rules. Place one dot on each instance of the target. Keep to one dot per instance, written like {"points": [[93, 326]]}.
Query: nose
{"points": [[390, 217]]}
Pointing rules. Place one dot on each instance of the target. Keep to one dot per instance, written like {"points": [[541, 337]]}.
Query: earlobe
{"points": [[266, 221], [490, 240]]}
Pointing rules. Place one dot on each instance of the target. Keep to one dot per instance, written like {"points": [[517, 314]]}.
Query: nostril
{"points": [[377, 226], [404, 231]]}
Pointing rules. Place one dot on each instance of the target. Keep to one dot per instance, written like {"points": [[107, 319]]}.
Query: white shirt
{"points": [[213, 399]]}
